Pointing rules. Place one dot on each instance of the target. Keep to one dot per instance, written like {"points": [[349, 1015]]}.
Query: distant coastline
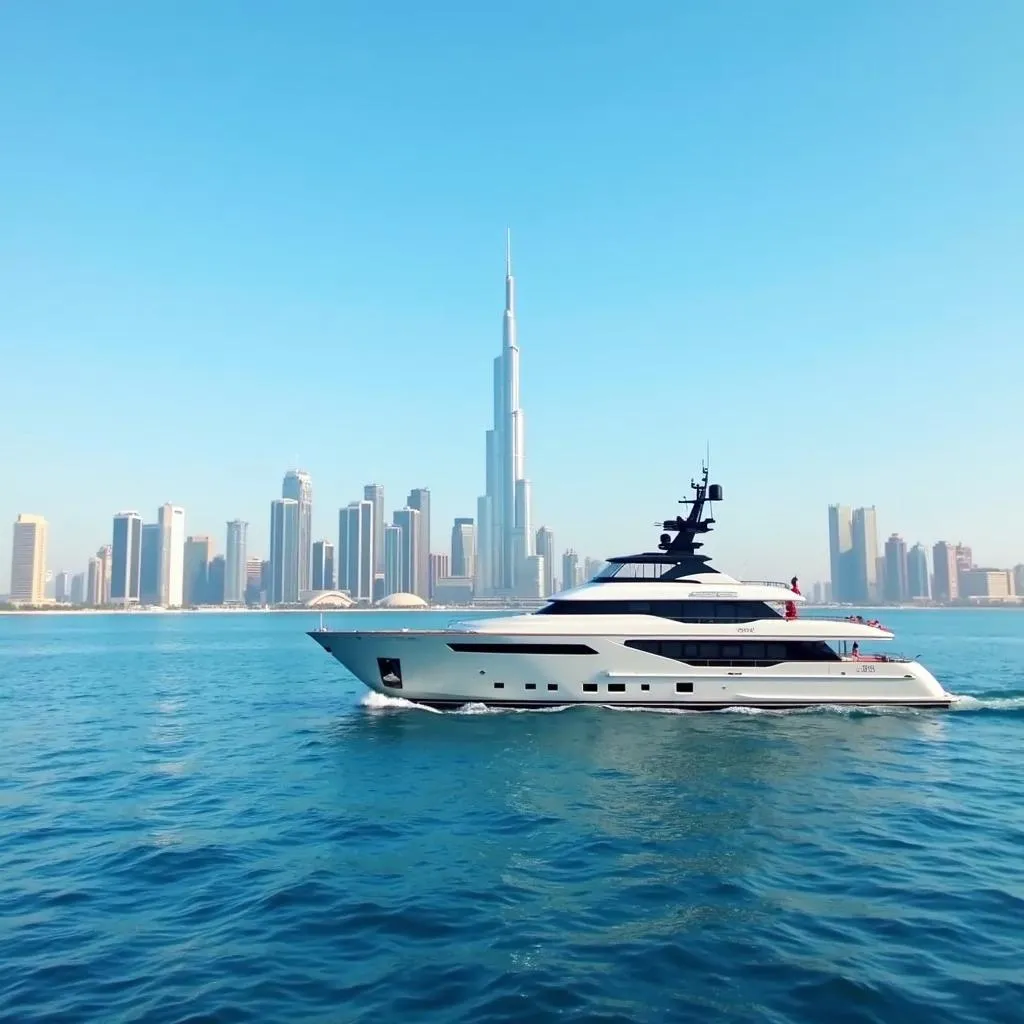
{"points": [[213, 610], [808, 610]]}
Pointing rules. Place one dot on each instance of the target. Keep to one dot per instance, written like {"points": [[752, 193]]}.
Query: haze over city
{"points": [[241, 239]]}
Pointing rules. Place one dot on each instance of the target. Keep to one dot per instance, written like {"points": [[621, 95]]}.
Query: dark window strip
{"points": [[482, 648]]}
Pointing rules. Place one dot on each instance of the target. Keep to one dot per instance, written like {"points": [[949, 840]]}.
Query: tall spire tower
{"points": [[504, 538]]}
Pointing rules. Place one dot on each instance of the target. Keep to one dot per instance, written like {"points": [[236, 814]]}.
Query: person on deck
{"points": [[791, 605]]}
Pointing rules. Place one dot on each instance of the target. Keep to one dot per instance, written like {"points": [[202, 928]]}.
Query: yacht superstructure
{"points": [[660, 628]]}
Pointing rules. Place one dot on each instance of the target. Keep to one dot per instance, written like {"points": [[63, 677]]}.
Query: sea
{"points": [[204, 818]]}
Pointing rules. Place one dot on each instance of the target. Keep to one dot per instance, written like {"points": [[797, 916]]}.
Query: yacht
{"points": [[656, 629]]}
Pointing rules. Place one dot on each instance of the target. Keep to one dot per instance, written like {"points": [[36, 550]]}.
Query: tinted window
{"points": [[714, 652], [476, 648]]}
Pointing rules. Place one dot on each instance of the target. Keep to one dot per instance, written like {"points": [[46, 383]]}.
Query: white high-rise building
{"points": [[356, 550], [392, 559], [419, 499], [125, 574], [62, 586], [171, 520], [531, 577], [570, 570], [235, 563], [546, 549], [284, 554], [94, 583], [97, 590], [463, 547], [503, 514], [408, 520], [375, 493], [28, 559], [298, 485]]}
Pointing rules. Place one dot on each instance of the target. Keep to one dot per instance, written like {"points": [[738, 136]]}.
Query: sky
{"points": [[245, 236]]}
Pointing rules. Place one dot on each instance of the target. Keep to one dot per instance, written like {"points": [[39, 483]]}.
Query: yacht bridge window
{"points": [[728, 652]]}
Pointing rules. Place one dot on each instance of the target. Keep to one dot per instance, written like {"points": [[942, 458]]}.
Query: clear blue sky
{"points": [[240, 236]]}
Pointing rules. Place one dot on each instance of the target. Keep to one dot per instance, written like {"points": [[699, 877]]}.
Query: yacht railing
{"points": [[876, 659], [854, 620], [767, 583]]}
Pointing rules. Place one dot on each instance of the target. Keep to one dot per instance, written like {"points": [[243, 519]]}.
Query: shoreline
{"points": [[468, 609]]}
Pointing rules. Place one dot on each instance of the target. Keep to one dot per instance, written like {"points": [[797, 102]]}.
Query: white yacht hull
{"points": [[431, 673]]}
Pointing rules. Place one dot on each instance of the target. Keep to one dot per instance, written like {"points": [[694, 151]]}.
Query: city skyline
{"points": [[832, 232], [497, 556], [132, 569]]}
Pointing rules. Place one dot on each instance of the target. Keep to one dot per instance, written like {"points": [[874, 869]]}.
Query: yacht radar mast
{"points": [[686, 529]]}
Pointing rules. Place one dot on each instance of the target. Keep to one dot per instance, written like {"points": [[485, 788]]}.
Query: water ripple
{"points": [[206, 820]]}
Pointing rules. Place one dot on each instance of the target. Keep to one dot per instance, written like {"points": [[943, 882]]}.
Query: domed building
{"points": [[330, 599], [401, 602]]}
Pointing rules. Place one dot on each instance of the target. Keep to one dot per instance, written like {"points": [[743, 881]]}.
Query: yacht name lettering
{"points": [[744, 629], [718, 593]]}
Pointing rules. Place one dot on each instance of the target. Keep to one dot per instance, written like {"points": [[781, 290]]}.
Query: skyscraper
{"points": [[374, 493], [126, 558], [94, 583], [570, 569], [28, 559], [149, 565], [392, 559], [440, 569], [408, 520], [546, 550], [419, 499], [945, 584], [896, 586], [106, 556], [62, 587], [197, 568], [530, 581], [97, 585], [234, 562], [355, 550], [215, 580], [78, 588], [253, 581], [172, 554], [298, 485], [284, 551], [865, 554], [917, 572], [964, 564], [463, 544], [840, 547], [323, 565], [503, 513]]}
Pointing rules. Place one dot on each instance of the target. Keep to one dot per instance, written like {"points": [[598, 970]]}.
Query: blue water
{"points": [[201, 820]]}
